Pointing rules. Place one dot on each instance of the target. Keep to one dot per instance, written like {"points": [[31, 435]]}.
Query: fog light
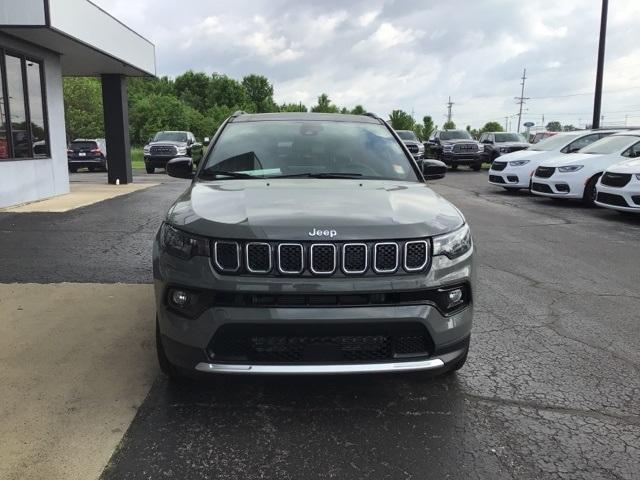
{"points": [[179, 298], [454, 297]]}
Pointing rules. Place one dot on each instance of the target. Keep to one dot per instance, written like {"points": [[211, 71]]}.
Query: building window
{"points": [[23, 119]]}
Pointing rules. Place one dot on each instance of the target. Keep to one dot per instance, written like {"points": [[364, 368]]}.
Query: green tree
{"points": [[260, 93], [324, 105], [358, 110], [449, 125], [428, 127], [568, 128], [401, 120], [554, 127], [226, 91], [491, 127], [83, 107], [293, 107], [192, 88]]}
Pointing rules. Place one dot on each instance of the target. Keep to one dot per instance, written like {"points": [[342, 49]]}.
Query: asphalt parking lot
{"points": [[551, 388]]}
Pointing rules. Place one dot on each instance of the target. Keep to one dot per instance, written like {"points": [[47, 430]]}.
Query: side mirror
{"points": [[206, 141], [180, 167], [433, 169]]}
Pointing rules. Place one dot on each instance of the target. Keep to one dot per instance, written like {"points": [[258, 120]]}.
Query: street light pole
{"points": [[597, 98]]}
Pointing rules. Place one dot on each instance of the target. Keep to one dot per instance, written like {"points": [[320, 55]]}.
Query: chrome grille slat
{"points": [[354, 255], [416, 255], [225, 258], [385, 257], [258, 257], [320, 254]]}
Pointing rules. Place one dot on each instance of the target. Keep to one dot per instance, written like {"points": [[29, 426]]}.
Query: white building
{"points": [[40, 41]]}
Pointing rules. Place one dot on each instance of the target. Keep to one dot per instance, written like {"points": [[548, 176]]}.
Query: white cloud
{"points": [[408, 54]]}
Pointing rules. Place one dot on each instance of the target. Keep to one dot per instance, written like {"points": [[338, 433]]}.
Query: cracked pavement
{"points": [[551, 388]]}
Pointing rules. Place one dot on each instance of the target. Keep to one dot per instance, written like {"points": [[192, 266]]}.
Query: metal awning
{"points": [[90, 41]]}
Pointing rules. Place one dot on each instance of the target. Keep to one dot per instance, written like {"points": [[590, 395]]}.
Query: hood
{"points": [[288, 209], [628, 166], [412, 142], [168, 142], [533, 155], [562, 159]]}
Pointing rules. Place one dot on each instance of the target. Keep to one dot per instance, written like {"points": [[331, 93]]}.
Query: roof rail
{"points": [[372, 115], [238, 113]]}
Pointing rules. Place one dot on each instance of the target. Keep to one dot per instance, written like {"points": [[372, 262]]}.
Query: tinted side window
{"points": [[633, 151], [581, 142]]}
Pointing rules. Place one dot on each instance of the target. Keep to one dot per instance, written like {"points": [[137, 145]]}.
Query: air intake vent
{"points": [[354, 258], [385, 257], [227, 256], [323, 258], [258, 257], [290, 258], [416, 255]]}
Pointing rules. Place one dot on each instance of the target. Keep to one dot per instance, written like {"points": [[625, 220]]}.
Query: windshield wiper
{"points": [[223, 173], [319, 175]]}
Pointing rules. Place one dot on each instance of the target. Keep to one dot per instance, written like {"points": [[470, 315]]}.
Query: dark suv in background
{"points": [[170, 144], [87, 152], [456, 147], [412, 142], [501, 143]]}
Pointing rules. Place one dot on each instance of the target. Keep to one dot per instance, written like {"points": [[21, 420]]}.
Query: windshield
{"points": [[170, 137], [270, 149], [557, 142], [455, 135], [407, 135], [509, 137], [607, 145]]}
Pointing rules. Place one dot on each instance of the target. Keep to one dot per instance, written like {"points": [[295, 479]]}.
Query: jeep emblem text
{"points": [[316, 232]]}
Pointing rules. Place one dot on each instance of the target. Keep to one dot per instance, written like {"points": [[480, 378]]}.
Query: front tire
{"points": [[476, 166], [590, 192], [454, 166], [73, 169], [149, 168]]}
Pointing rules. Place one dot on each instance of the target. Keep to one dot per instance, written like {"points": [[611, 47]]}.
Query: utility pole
{"points": [[597, 98], [506, 123], [521, 99], [449, 105]]}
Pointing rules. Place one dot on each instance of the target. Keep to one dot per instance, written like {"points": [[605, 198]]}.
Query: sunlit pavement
{"points": [[551, 388]]}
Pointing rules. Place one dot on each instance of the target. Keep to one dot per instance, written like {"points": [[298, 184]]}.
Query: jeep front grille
{"points": [[318, 258]]}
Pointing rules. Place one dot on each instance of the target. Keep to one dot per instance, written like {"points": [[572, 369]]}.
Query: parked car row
{"points": [[91, 153], [595, 166]]}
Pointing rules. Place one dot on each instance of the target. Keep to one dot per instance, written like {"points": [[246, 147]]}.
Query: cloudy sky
{"points": [[408, 54]]}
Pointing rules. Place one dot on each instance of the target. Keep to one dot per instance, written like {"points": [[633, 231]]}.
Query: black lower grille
{"points": [[319, 343], [615, 179], [496, 179], [498, 166], [545, 172], [612, 199], [541, 187]]}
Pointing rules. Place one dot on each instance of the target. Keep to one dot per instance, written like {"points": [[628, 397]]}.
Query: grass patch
{"points": [[137, 160]]}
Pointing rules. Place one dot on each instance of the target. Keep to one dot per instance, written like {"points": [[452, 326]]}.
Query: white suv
{"points": [[514, 170], [576, 176], [619, 187]]}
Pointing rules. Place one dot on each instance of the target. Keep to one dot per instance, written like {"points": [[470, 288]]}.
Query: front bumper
{"points": [[624, 199], [452, 158], [559, 185], [159, 161], [80, 162], [188, 341]]}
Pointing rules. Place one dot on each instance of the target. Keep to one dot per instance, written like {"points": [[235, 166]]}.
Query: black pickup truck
{"points": [[167, 145], [454, 148]]}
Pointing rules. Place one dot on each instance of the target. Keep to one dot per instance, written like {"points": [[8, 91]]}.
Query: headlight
{"points": [[447, 148], [518, 163], [504, 149], [146, 150], [453, 244], [480, 148], [420, 147], [570, 168], [182, 150], [182, 244]]}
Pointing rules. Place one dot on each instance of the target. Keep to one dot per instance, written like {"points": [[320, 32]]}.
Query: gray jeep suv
{"points": [[310, 244]]}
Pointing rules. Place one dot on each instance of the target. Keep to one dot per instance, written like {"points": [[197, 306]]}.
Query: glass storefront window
{"points": [[23, 122]]}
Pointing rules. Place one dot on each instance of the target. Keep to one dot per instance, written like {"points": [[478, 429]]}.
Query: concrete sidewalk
{"points": [[81, 195], [76, 362]]}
